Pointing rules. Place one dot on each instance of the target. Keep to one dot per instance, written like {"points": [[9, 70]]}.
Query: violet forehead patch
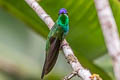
{"points": [[63, 11]]}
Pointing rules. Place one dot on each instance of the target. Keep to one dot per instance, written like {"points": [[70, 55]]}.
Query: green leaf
{"points": [[93, 68], [24, 13], [85, 35], [53, 77], [84, 27]]}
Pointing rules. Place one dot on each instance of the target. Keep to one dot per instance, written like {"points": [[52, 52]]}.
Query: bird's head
{"points": [[63, 16], [63, 11]]}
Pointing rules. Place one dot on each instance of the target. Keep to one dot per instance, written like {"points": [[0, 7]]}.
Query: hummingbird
{"points": [[54, 40]]}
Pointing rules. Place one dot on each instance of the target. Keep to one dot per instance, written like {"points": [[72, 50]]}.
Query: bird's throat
{"points": [[63, 20]]}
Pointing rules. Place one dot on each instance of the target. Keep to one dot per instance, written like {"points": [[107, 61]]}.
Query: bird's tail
{"points": [[42, 75], [51, 56], [43, 71]]}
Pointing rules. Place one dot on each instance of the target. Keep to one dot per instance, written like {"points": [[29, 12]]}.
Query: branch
{"points": [[69, 55], [110, 33], [70, 76]]}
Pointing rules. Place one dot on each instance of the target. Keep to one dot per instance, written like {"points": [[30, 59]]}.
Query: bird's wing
{"points": [[52, 51]]}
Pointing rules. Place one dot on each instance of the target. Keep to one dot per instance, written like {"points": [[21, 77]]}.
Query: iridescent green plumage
{"points": [[54, 40]]}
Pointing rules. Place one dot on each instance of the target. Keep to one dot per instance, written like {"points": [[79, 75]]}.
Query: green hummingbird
{"points": [[54, 40]]}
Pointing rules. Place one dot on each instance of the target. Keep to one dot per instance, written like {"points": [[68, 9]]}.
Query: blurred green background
{"points": [[23, 35]]}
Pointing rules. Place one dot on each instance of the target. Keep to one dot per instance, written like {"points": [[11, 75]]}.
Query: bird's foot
{"points": [[65, 44]]}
